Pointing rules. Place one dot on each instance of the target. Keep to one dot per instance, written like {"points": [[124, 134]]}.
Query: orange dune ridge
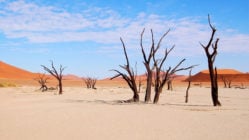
{"points": [[21, 76], [231, 74], [11, 72]]}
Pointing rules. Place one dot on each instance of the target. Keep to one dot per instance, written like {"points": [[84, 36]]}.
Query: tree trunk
{"points": [[148, 87], [189, 84], [186, 97], [136, 97], [214, 84], [169, 83], [60, 87], [157, 95], [211, 58]]}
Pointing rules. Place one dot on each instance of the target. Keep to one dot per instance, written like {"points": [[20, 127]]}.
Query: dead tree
{"points": [[169, 83], [129, 76], [90, 82], [139, 85], [56, 74], [227, 80], [224, 81], [189, 84], [164, 76], [147, 63], [211, 58], [42, 80]]}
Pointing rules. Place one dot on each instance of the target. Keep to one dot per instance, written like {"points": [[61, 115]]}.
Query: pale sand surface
{"points": [[27, 114]]}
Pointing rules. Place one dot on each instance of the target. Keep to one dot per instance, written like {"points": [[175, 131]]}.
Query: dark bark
{"points": [[147, 62], [160, 76], [212, 71], [163, 76], [42, 80], [139, 85], [169, 83], [189, 84], [57, 74], [130, 78], [90, 82], [224, 81], [227, 80]]}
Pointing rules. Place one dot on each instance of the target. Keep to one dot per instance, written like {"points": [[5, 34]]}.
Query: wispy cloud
{"points": [[47, 24]]}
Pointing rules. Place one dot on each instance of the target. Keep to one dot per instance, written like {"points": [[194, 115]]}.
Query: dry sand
{"points": [[28, 114]]}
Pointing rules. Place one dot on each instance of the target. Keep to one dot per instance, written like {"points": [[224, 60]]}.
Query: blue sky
{"points": [[84, 35]]}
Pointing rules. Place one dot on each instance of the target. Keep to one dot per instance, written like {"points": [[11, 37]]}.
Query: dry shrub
{"points": [[6, 84]]}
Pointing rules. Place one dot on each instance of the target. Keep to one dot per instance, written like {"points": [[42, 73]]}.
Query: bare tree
{"points": [[139, 85], [57, 74], [189, 84], [227, 80], [42, 80], [164, 76], [129, 76], [147, 62], [169, 83], [90, 82], [211, 58]]}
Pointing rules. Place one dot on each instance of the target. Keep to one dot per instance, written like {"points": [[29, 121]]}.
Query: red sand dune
{"points": [[8, 71], [11, 72], [224, 71], [232, 74]]}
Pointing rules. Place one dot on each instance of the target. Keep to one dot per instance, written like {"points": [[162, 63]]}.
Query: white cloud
{"points": [[41, 24]]}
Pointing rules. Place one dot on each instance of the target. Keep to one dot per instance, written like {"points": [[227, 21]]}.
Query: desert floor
{"points": [[28, 114]]}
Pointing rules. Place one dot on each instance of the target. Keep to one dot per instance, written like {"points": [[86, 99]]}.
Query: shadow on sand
{"points": [[123, 102]]}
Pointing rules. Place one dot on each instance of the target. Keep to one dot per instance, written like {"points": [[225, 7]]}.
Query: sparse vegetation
{"points": [[211, 58], [90, 82], [160, 76], [7, 84], [227, 80], [129, 76], [42, 80], [57, 74], [188, 87]]}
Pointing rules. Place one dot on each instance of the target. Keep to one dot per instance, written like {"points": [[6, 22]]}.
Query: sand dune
{"points": [[11, 72], [232, 74]]}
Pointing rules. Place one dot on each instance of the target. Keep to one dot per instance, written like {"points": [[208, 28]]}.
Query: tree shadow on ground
{"points": [[108, 102], [126, 102], [186, 105]]}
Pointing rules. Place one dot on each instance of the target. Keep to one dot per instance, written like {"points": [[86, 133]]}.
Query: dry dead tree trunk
{"points": [[90, 82], [169, 83], [42, 80], [130, 78], [160, 80], [147, 62], [149, 68], [224, 81], [139, 85], [189, 84], [56, 74], [227, 80], [161, 77], [212, 71]]}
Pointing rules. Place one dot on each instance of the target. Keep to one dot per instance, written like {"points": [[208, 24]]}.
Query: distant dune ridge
{"points": [[11, 72], [232, 74], [8, 71]]}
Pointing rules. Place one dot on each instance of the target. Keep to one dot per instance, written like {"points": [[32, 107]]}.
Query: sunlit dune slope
{"points": [[231, 74], [11, 72]]}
